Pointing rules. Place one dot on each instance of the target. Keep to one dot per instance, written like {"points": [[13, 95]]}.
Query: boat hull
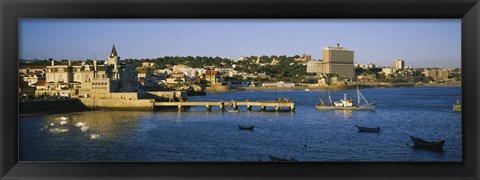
{"points": [[361, 107], [246, 127], [420, 143], [368, 129]]}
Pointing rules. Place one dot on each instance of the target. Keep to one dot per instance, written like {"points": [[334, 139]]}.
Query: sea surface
{"points": [[306, 134]]}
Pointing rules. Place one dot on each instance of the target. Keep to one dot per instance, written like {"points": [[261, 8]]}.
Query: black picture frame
{"points": [[466, 10]]}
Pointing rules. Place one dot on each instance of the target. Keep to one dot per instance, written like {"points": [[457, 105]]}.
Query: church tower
{"points": [[113, 61]]}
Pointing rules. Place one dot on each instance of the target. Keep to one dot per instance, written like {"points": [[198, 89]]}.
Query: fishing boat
{"points": [[368, 129], [345, 103], [275, 158], [458, 106], [421, 143], [241, 127]]}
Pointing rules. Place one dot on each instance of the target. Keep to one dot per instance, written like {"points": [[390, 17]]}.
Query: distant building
{"points": [[338, 60], [278, 84], [328, 79], [399, 64], [147, 64], [305, 58], [388, 70], [314, 67], [437, 75], [370, 66], [213, 77], [88, 80]]}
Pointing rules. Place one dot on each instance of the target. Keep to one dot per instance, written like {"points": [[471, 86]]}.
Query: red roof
{"points": [[32, 67]]}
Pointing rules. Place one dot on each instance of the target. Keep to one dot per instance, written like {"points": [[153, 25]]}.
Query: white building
{"points": [[399, 64]]}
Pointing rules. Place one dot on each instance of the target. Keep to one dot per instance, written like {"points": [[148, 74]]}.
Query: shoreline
{"points": [[341, 87], [337, 87]]}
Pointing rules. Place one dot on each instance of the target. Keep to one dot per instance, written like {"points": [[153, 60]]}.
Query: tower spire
{"points": [[114, 51]]}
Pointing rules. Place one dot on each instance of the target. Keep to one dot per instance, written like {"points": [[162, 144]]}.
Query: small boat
{"points": [[368, 129], [246, 127], [346, 104], [421, 143], [275, 158], [233, 111], [458, 106]]}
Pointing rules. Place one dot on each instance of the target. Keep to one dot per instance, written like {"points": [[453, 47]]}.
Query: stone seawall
{"points": [[118, 104], [50, 107]]}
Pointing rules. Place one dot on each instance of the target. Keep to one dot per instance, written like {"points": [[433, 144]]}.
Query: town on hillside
{"points": [[58, 79]]}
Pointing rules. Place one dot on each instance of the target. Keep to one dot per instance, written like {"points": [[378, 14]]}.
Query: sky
{"points": [[419, 42]]}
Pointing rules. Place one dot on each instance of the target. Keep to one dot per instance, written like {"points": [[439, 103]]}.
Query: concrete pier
{"points": [[276, 105]]}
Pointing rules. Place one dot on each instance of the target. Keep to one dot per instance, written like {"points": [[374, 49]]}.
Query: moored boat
{"points": [[242, 127], [421, 143], [458, 106], [346, 104], [368, 129]]}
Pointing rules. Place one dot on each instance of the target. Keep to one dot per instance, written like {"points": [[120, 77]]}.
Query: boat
{"points": [[368, 129], [275, 158], [345, 103], [233, 111], [421, 143], [241, 127], [458, 106]]}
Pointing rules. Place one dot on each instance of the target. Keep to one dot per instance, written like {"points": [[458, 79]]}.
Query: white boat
{"points": [[346, 104], [458, 106]]}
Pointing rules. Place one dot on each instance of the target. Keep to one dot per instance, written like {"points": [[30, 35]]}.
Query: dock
{"points": [[276, 105]]}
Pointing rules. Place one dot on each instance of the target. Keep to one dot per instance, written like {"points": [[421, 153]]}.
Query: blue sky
{"points": [[421, 43]]}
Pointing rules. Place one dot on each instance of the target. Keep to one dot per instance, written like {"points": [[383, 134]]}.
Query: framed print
{"points": [[221, 89]]}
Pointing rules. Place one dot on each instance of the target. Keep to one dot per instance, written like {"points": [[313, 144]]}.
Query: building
{"points": [[388, 71], [370, 66], [278, 84], [88, 80], [305, 58], [314, 67], [328, 79], [399, 64], [338, 60], [437, 75], [213, 77]]}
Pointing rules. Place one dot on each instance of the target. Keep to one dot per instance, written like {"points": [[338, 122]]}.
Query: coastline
{"points": [[336, 87]]}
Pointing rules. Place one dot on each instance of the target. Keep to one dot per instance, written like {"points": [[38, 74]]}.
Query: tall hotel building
{"points": [[399, 64], [336, 60], [339, 60]]}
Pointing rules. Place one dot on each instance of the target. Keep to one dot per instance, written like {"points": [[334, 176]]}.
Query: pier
{"points": [[263, 105]]}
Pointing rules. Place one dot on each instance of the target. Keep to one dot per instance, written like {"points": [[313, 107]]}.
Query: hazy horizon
{"points": [[421, 43]]}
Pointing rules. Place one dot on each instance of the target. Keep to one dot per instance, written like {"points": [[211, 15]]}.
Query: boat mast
{"points": [[358, 96], [329, 98]]}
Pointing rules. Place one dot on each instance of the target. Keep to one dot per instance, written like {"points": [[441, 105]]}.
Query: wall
{"points": [[118, 104], [51, 106], [165, 95]]}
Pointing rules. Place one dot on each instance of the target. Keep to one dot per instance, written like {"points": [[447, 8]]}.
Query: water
{"points": [[307, 134]]}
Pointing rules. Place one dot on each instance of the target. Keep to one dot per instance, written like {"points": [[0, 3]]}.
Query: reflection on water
{"points": [[345, 113], [307, 134]]}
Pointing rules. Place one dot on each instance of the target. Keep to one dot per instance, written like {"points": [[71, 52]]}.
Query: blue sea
{"points": [[306, 134]]}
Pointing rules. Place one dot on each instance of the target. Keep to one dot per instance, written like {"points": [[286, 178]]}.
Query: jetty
{"points": [[263, 105]]}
